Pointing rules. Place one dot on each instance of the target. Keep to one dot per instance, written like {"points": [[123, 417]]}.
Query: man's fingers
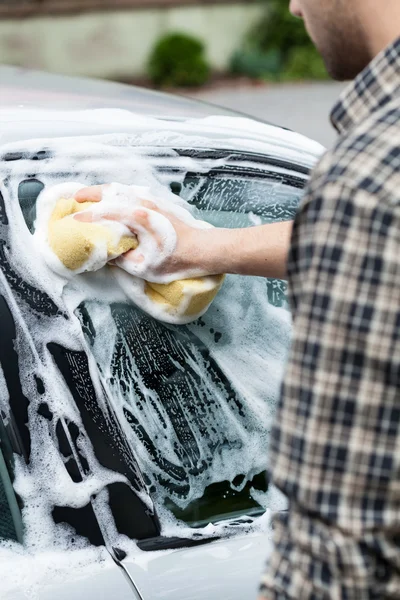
{"points": [[133, 256], [85, 217], [95, 194], [141, 218], [90, 194], [136, 221], [170, 216], [131, 219], [150, 205], [88, 216]]}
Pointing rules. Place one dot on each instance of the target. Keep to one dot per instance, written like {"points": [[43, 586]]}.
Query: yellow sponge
{"points": [[74, 241], [193, 295]]}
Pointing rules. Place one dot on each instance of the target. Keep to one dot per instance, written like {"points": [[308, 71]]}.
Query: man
{"points": [[335, 449]]}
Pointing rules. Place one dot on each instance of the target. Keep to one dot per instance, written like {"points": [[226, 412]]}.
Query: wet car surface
{"points": [[118, 432]]}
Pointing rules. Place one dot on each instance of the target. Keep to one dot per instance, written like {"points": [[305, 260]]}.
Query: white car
{"points": [[133, 453]]}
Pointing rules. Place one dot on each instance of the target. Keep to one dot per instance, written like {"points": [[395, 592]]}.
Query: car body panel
{"points": [[58, 575], [228, 569], [37, 89]]}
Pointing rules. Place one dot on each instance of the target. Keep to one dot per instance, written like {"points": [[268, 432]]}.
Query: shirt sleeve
{"points": [[335, 447]]}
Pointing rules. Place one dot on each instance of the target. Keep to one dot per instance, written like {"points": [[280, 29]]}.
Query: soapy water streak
{"points": [[195, 403]]}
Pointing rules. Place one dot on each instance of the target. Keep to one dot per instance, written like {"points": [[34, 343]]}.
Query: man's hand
{"points": [[260, 251], [190, 253]]}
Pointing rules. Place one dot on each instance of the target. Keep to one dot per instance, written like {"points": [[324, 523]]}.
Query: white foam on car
{"points": [[256, 334], [28, 573], [238, 133]]}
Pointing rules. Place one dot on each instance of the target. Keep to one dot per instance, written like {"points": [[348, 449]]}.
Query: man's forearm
{"points": [[261, 251]]}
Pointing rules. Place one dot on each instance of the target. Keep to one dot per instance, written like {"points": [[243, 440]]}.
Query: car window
{"points": [[199, 399], [195, 402]]}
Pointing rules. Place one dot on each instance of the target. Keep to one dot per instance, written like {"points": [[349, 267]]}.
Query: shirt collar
{"points": [[377, 85]]}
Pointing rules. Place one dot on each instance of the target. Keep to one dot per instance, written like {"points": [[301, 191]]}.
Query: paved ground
{"points": [[302, 107]]}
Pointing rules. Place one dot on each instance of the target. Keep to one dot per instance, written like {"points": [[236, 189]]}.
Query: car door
{"points": [[176, 419]]}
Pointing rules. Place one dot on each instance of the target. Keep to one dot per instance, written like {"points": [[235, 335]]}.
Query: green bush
{"points": [[279, 29], [178, 60], [283, 37]]}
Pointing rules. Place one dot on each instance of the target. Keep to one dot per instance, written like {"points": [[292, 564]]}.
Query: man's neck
{"points": [[381, 23]]}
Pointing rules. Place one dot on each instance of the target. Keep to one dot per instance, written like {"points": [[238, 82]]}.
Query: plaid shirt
{"points": [[335, 449]]}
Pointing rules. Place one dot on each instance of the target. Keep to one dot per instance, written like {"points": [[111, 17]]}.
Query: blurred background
{"points": [[250, 55]]}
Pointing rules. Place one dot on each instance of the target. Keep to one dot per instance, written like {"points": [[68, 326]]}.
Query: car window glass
{"points": [[199, 415], [196, 401]]}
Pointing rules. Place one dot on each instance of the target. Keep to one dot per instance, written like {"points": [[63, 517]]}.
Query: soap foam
{"points": [[250, 352], [236, 133], [4, 396], [29, 573]]}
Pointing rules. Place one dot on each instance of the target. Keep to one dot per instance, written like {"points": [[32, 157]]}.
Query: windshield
{"points": [[195, 402], [199, 398]]}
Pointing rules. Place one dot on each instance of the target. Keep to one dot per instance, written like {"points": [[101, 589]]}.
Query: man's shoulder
{"points": [[367, 158]]}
